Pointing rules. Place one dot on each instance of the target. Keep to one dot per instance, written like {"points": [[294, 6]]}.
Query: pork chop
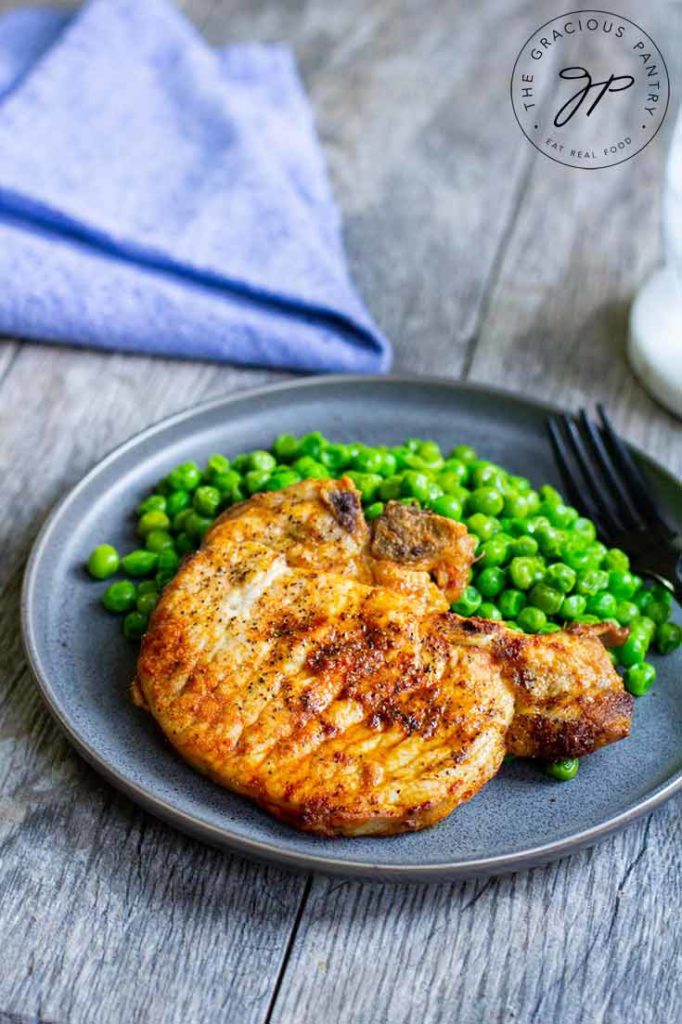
{"points": [[310, 663]]}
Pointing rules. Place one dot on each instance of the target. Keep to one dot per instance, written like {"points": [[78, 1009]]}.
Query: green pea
{"points": [[550, 540], [180, 520], [487, 474], [510, 602], [550, 495], [389, 464], [206, 500], [185, 477], [668, 637], [177, 502], [658, 611], [368, 461], [455, 468], [622, 583], [644, 626], [162, 579], [531, 619], [256, 480], [575, 554], [561, 577], [516, 506], [514, 625], [616, 559], [533, 499], [430, 452], [633, 651], [196, 525], [585, 528], [464, 452], [103, 562], [313, 471], [522, 572], [487, 500], [140, 563], [591, 581], [168, 560], [134, 625], [119, 596], [147, 587], [228, 483], [626, 611], [312, 444], [240, 463], [368, 484], [572, 606], [450, 483], [663, 594], [418, 485], [482, 526], [523, 547], [216, 466], [335, 457], [374, 510], [154, 503], [285, 447], [391, 488], [494, 551], [535, 523], [447, 505], [154, 520], [282, 478], [519, 483], [640, 678], [596, 552], [602, 604], [262, 460], [546, 598], [487, 610], [562, 516], [550, 627], [490, 582], [468, 603], [146, 603], [157, 540], [563, 771], [184, 544]]}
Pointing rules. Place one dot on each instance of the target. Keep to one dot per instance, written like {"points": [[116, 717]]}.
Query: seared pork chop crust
{"points": [[310, 663]]}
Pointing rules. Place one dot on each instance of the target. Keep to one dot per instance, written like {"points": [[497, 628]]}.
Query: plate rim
{"points": [[225, 837]]}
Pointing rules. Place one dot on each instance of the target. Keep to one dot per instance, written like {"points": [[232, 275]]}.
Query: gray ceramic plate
{"points": [[83, 666]]}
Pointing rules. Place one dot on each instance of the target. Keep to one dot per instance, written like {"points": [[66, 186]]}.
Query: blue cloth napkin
{"points": [[159, 196]]}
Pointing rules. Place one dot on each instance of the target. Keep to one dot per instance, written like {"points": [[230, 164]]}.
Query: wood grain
{"points": [[472, 252]]}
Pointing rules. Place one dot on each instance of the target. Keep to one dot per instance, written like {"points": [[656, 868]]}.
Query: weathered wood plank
{"points": [[586, 939]]}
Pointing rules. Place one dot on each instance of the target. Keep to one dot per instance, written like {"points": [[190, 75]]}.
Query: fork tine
{"points": [[627, 510], [638, 486], [577, 495], [600, 496]]}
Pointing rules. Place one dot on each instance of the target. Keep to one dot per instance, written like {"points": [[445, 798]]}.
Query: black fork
{"points": [[603, 479]]}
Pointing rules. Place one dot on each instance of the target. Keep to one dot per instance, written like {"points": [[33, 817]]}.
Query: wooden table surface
{"points": [[481, 260]]}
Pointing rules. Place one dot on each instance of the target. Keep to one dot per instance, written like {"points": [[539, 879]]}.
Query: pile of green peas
{"points": [[539, 564]]}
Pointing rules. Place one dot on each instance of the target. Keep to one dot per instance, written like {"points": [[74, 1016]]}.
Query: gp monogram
{"points": [[590, 89]]}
